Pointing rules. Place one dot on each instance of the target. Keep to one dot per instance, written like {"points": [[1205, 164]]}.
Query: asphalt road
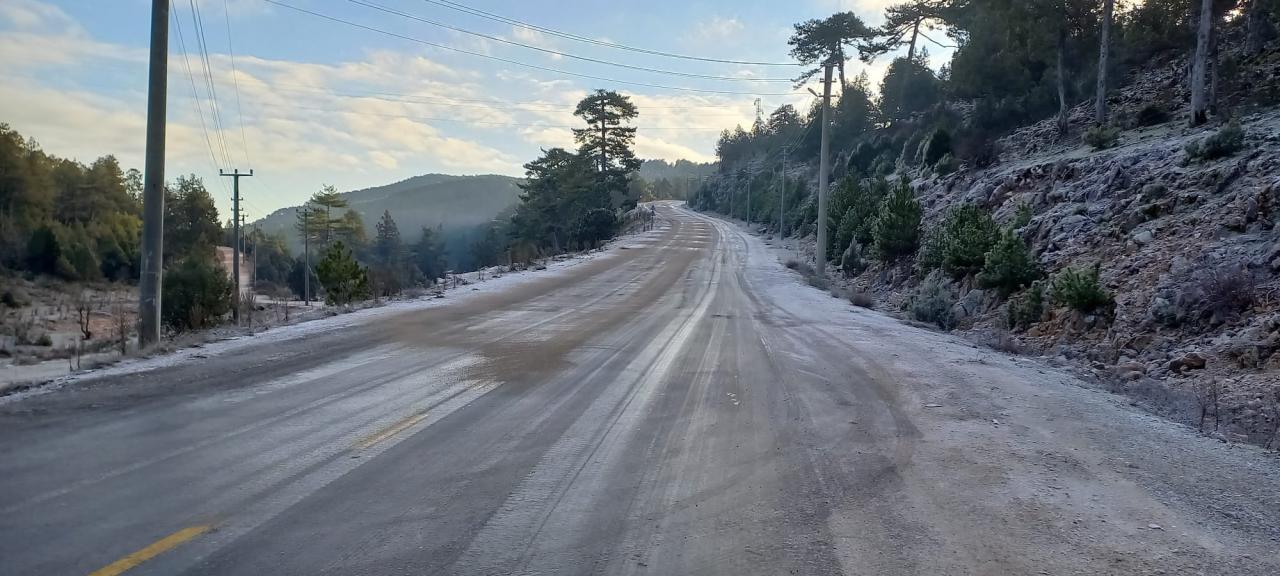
{"points": [[681, 406]]}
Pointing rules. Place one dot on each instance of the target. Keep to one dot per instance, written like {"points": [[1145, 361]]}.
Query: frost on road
{"points": [[683, 406]]}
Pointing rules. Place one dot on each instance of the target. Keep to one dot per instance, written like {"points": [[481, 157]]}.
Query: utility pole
{"points": [[749, 177], [824, 166], [306, 253], [235, 175], [153, 181], [782, 197]]}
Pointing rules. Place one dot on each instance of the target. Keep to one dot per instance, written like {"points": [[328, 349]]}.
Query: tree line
{"points": [[1015, 63]]}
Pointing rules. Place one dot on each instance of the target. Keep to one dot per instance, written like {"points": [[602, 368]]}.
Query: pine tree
{"points": [[609, 141], [387, 248], [343, 279], [1009, 265], [897, 228]]}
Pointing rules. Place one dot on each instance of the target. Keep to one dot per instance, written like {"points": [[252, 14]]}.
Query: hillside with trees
{"points": [[1087, 179]]}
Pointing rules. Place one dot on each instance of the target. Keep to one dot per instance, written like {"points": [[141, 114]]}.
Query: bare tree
{"points": [[120, 324], [85, 304], [1200, 64], [1062, 77], [1104, 55]]}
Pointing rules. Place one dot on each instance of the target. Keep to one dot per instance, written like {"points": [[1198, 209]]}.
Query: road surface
{"points": [[681, 405]]}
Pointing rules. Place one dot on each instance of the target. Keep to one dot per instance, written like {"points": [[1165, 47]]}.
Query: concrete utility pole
{"points": [[153, 180], [824, 166], [306, 253], [235, 175], [782, 196]]}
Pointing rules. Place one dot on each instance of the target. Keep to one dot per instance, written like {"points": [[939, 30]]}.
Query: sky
{"points": [[395, 89]]}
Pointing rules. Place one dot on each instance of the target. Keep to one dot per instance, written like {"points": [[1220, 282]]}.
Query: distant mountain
{"points": [[457, 202]]}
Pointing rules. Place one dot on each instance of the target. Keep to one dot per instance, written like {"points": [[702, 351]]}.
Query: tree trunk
{"points": [[915, 33], [1214, 69], [604, 140], [1062, 80], [1104, 54], [1261, 30], [1200, 64], [911, 57]]}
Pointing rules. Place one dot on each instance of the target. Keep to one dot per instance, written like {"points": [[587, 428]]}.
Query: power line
{"points": [[516, 62], [597, 42], [473, 122], [202, 45], [453, 101], [235, 77], [564, 54], [427, 101], [195, 94]]}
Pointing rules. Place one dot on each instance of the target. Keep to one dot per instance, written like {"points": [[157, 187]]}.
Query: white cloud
{"points": [[717, 28], [535, 38]]}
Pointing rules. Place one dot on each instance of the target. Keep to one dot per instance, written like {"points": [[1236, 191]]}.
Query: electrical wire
{"points": [[474, 122], [215, 110], [564, 54], [597, 42], [408, 99], [195, 94], [235, 77], [454, 101], [516, 62]]}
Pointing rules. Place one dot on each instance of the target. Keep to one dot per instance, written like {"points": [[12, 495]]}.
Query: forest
{"points": [[1015, 63]]}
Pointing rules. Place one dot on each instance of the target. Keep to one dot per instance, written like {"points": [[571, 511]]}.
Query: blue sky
{"points": [[315, 102]]}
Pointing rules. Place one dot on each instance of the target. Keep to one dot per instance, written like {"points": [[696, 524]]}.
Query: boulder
{"points": [[1189, 361]]}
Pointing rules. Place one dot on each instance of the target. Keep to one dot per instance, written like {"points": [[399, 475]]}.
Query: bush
{"points": [[802, 267], [343, 279], [937, 146], [1226, 142], [960, 244], [857, 224], [1226, 293], [14, 298], [594, 227], [1026, 308], [897, 229], [1081, 291], [1023, 215], [861, 299], [932, 301], [196, 293], [1009, 265], [946, 165], [1101, 137], [1151, 115], [1216, 295]]}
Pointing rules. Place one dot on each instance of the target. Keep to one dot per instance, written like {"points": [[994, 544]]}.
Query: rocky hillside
{"points": [[1189, 247]]}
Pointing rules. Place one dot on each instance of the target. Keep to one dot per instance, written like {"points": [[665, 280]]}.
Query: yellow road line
{"points": [[394, 429], [155, 549]]}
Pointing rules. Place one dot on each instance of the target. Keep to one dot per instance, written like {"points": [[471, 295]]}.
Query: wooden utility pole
{"points": [[235, 175], [824, 166], [749, 178], [153, 181]]}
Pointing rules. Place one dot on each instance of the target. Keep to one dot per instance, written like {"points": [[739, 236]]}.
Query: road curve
{"points": [[682, 406]]}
